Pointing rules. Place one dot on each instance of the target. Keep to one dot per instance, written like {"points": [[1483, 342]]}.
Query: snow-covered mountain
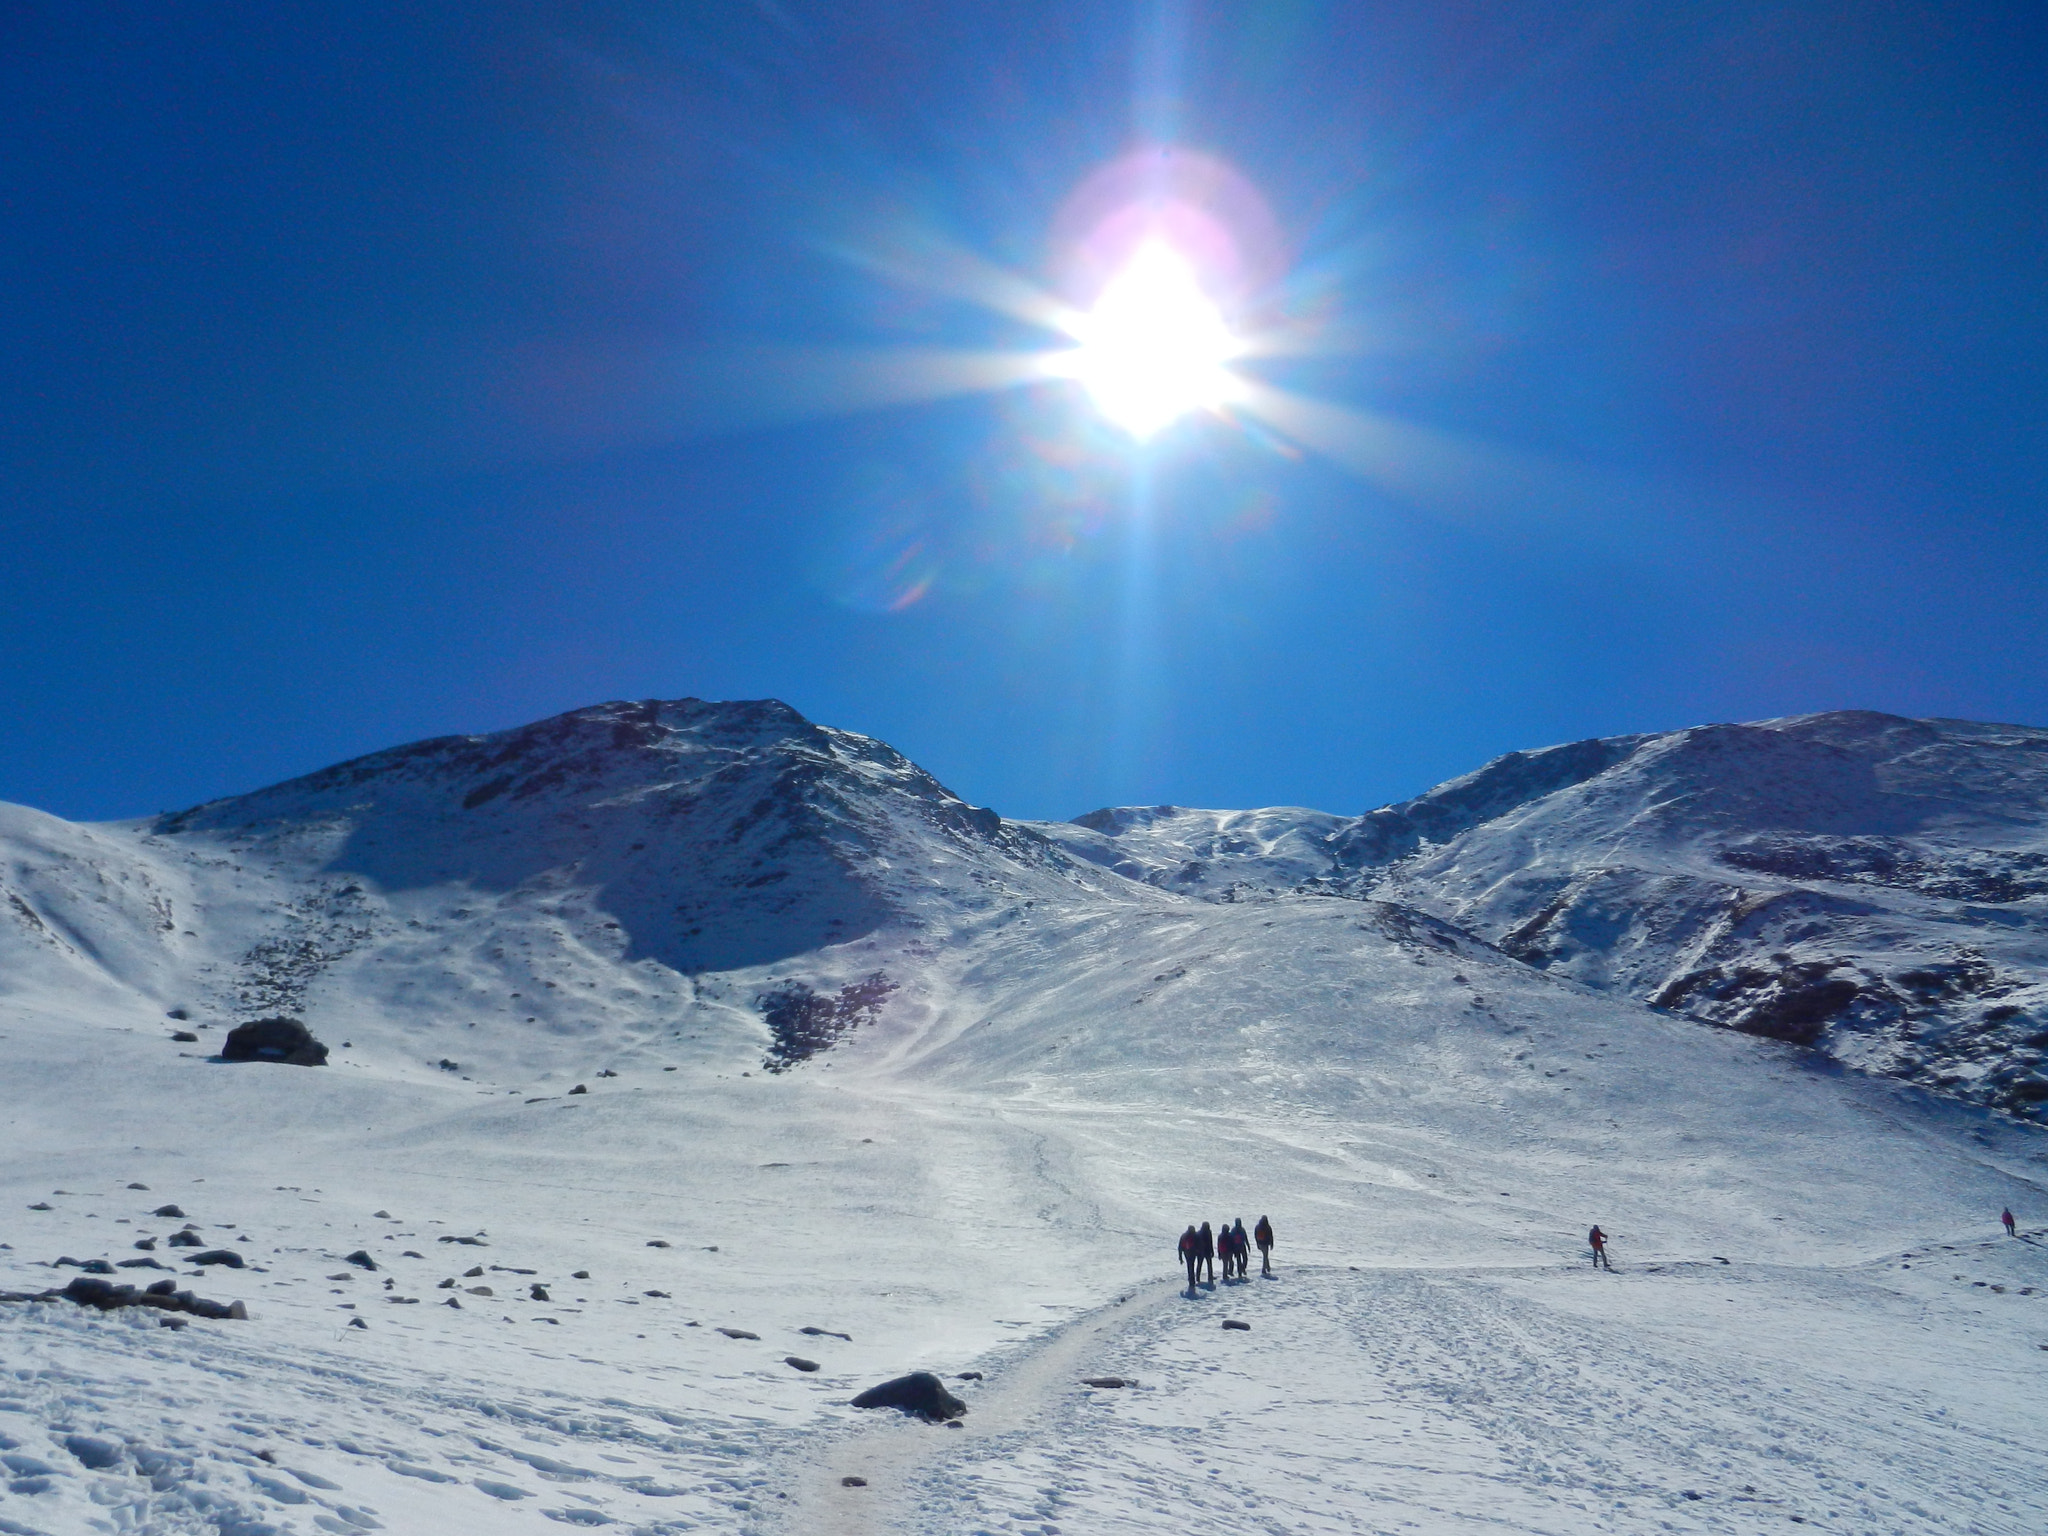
{"points": [[1873, 886], [545, 1244]]}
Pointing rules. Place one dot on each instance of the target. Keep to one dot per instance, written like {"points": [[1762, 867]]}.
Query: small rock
{"points": [[481, 1290], [581, 1274], [184, 1037], [798, 1362], [853, 1482], [607, 1072], [452, 1302], [170, 1322], [467, 1242], [383, 1215], [146, 1244], [357, 1322], [1106, 1381], [540, 1293], [473, 1272], [1231, 1322], [361, 1259], [410, 1254], [920, 1393], [662, 1294], [169, 1212], [142, 1264], [658, 1242], [825, 1333], [579, 1088], [738, 1333], [138, 1186], [968, 1376], [223, 1256], [446, 1285], [186, 1240], [42, 1205]]}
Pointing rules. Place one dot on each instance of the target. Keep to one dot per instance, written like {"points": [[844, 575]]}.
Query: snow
{"points": [[985, 1172]]}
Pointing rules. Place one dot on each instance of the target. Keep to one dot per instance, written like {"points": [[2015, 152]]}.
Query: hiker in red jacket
{"points": [[2006, 1217], [1190, 1252], [1598, 1240], [1263, 1234]]}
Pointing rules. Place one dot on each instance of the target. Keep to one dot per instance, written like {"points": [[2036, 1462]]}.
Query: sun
{"points": [[1154, 347]]}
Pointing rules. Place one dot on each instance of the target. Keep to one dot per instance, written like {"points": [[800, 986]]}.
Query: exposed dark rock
{"points": [[141, 1264], [146, 1244], [850, 1481], [805, 1022], [361, 1259], [738, 1333], [184, 1037], [225, 1257], [968, 1376], [138, 1186], [579, 1088], [825, 1333], [169, 1212], [798, 1362], [280, 1039], [659, 1242], [186, 1240], [1231, 1322], [474, 1272], [467, 1242], [581, 1274], [42, 1205], [1106, 1381], [540, 1293], [920, 1393], [106, 1296], [357, 1322], [664, 1296]]}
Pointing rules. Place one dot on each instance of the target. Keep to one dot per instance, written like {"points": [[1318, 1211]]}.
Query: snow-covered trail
{"points": [[1899, 1397]]}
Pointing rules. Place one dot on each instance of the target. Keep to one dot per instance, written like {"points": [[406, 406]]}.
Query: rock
{"points": [[361, 1259], [169, 1213], [282, 1040], [146, 1244], [607, 1072], [480, 1290], [1107, 1381], [407, 1253], [825, 1333], [540, 1293], [186, 1240], [799, 1363], [467, 1242], [1231, 1322], [581, 1274], [138, 1186], [105, 1296], [853, 1482], [733, 1333], [475, 1271], [658, 1242], [920, 1393], [446, 1285], [42, 1205], [968, 1376], [142, 1264], [579, 1088], [383, 1215], [357, 1322], [184, 1037], [223, 1256], [180, 1014], [97, 1267], [170, 1322], [452, 1302], [665, 1296]]}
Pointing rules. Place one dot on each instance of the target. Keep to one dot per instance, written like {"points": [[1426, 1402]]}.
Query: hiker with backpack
{"points": [[1263, 1234], [1597, 1240]]}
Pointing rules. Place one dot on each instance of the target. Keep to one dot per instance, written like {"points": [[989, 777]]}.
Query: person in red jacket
{"points": [[1598, 1241], [1263, 1234], [1189, 1254], [2006, 1217]]}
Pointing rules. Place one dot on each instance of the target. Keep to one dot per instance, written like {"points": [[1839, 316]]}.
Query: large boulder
{"points": [[282, 1040], [920, 1393]]}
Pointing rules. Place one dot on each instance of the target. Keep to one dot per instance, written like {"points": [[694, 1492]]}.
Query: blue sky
{"points": [[360, 382]]}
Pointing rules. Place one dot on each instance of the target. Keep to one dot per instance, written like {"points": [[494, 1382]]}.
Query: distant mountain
{"points": [[1868, 885]]}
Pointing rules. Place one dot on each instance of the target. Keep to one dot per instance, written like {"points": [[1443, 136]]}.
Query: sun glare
{"points": [[1154, 346]]}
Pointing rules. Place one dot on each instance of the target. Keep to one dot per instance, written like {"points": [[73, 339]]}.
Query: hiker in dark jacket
{"points": [[1241, 1245], [1205, 1245], [1190, 1253], [1263, 1232], [2006, 1217]]}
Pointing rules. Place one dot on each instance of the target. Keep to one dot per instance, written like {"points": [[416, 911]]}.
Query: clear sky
{"points": [[371, 372]]}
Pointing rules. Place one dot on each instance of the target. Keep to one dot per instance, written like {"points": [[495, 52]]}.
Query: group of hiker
{"points": [[1201, 1248]]}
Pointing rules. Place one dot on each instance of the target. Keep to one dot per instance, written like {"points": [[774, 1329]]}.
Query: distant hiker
{"points": [[1190, 1252], [1224, 1251], [1205, 1249], [2006, 1217], [1240, 1245], [1598, 1242], [1264, 1233]]}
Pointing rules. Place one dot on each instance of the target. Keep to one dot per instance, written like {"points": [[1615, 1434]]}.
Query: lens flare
{"points": [[1155, 346]]}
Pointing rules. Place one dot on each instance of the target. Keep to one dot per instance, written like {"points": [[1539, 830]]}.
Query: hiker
{"points": [[1205, 1249], [2006, 1217], [1264, 1233], [1225, 1251], [1598, 1240], [1190, 1251], [1240, 1246]]}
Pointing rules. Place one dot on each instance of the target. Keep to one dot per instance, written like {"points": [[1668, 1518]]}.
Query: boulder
{"points": [[169, 1212], [223, 1256], [186, 1240], [920, 1393], [281, 1040], [1233, 1324], [799, 1363]]}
